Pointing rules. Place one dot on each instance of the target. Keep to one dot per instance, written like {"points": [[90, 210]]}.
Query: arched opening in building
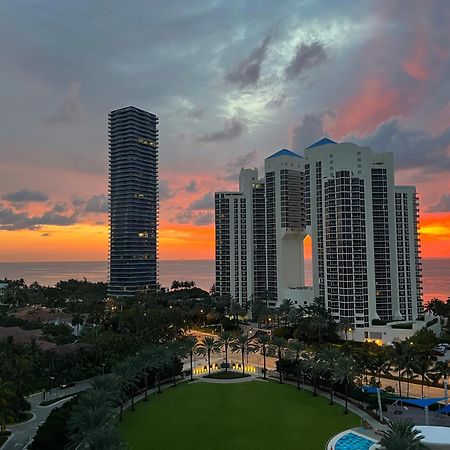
{"points": [[307, 252]]}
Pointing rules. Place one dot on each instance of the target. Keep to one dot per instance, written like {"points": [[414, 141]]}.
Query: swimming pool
{"points": [[353, 441]]}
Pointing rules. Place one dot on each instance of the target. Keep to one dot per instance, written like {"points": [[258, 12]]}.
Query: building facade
{"points": [[133, 201], [365, 245]]}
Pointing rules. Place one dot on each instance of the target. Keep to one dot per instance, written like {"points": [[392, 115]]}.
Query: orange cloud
{"points": [[373, 103]]}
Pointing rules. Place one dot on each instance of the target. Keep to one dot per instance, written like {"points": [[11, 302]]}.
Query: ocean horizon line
{"points": [[165, 260]]}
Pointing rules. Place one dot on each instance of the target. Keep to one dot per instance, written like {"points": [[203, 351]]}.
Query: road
{"points": [[23, 432]]}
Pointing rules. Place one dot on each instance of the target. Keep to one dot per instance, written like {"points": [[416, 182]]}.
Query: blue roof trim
{"points": [[284, 152], [323, 141]]}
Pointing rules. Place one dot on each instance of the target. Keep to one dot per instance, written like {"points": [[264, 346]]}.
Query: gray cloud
{"points": [[97, 204], [45, 234], [412, 149], [195, 218], [443, 204], [191, 186], [164, 190], [306, 56], [25, 196], [233, 128], [70, 108], [204, 202], [309, 130], [248, 71], [60, 207], [11, 220], [232, 168]]}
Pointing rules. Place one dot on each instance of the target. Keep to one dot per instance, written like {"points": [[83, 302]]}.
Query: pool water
{"points": [[351, 441]]}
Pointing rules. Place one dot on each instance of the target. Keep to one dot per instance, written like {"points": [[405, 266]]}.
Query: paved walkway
{"points": [[225, 381], [23, 432]]}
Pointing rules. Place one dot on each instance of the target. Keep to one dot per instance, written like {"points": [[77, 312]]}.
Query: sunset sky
{"points": [[232, 82]]}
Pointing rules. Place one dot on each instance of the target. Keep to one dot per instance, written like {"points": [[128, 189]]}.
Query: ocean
{"points": [[436, 273]]}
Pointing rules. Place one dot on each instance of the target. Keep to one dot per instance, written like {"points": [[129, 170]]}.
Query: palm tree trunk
{"points": [[192, 369], [331, 394], [209, 362], [314, 379], [423, 381], [158, 379], [399, 383], [226, 357], [346, 398], [243, 369], [279, 367], [174, 374], [264, 358], [145, 386], [132, 401]]}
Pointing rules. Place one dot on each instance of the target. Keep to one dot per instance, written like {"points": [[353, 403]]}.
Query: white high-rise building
{"points": [[365, 249], [286, 228], [408, 252], [351, 206], [241, 240]]}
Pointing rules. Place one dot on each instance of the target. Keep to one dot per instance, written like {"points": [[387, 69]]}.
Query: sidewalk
{"points": [[23, 432]]}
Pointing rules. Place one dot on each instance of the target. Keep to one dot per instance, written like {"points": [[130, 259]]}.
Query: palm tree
{"points": [[126, 376], [440, 370], [20, 372], [399, 358], [205, 347], [109, 384], [401, 435], [262, 343], [297, 348], [330, 356], [161, 359], [225, 340], [315, 368], [278, 345], [422, 364], [105, 438], [242, 344], [176, 350], [190, 343], [346, 370], [6, 397], [85, 419]]}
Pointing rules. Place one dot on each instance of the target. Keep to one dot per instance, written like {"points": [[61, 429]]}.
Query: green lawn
{"points": [[240, 416]]}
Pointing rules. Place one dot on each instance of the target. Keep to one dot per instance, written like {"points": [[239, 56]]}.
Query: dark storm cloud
{"points": [[26, 196], [412, 149], [443, 204], [97, 204], [230, 171], [248, 71], [306, 57], [309, 130], [11, 220], [232, 129]]}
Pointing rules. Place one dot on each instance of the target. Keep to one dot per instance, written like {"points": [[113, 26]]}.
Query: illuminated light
{"points": [[147, 142]]}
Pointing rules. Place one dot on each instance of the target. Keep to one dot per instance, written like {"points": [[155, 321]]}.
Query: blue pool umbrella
{"points": [[444, 410], [422, 403], [371, 389]]}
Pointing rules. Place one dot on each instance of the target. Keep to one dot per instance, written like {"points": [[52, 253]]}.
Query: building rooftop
{"points": [[323, 141], [284, 152]]}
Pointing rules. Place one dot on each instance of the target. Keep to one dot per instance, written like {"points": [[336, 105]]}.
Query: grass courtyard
{"points": [[240, 416]]}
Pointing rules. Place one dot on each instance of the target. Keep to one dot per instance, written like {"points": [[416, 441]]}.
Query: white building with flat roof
{"points": [[365, 245]]}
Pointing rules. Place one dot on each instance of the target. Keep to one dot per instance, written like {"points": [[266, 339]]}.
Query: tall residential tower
{"points": [[133, 201]]}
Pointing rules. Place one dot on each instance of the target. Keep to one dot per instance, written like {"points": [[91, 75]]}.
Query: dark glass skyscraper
{"points": [[133, 201]]}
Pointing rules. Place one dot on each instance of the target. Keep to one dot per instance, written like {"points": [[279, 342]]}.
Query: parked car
{"points": [[67, 385]]}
